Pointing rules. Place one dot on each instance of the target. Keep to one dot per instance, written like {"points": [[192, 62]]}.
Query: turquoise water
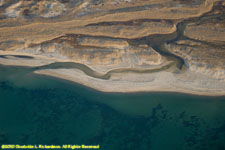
{"points": [[43, 110]]}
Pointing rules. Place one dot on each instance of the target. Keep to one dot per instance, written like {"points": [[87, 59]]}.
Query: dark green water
{"points": [[42, 110]]}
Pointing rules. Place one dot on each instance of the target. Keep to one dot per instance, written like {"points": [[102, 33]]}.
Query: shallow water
{"points": [[38, 109]]}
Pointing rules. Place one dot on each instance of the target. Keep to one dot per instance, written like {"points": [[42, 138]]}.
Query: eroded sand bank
{"points": [[189, 82], [119, 46], [162, 81]]}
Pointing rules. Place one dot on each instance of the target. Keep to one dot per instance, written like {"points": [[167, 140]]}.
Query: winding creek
{"points": [[43, 110], [156, 41]]}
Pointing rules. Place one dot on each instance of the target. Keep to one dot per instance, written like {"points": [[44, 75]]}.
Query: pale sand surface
{"points": [[38, 60], [105, 37], [163, 81], [189, 82]]}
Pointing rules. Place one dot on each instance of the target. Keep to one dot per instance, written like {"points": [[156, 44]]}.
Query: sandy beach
{"points": [[139, 46], [162, 81], [189, 83]]}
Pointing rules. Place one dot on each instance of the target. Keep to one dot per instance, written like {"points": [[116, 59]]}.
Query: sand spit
{"points": [[119, 46], [189, 82], [162, 81]]}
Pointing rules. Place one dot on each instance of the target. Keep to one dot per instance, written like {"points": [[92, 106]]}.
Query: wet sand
{"points": [[190, 83], [119, 80]]}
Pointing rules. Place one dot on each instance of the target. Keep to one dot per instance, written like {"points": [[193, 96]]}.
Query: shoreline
{"points": [[55, 73], [110, 87], [126, 82]]}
